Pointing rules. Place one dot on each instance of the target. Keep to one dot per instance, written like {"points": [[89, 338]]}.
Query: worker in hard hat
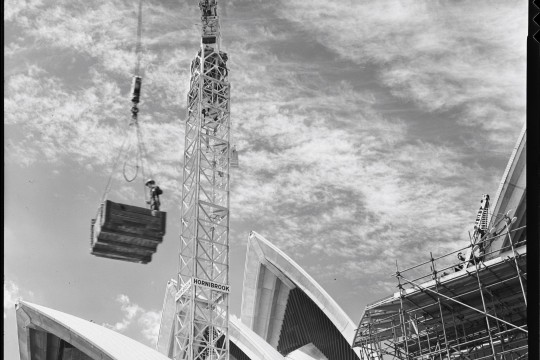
{"points": [[155, 191]]}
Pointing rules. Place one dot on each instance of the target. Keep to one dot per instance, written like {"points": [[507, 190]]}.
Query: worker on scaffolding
{"points": [[155, 191], [478, 249], [461, 258]]}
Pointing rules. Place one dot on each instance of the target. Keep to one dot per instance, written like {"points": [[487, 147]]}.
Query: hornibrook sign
{"points": [[211, 285]]}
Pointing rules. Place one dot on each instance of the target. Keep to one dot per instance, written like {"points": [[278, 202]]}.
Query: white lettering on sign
{"points": [[211, 285], [182, 290]]}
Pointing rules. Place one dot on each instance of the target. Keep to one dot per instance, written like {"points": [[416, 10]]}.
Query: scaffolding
{"points": [[448, 309]]}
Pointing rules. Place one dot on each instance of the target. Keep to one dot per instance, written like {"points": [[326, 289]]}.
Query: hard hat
{"points": [[149, 181]]}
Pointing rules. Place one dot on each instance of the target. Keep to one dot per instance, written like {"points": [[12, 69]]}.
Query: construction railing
{"points": [[471, 307]]}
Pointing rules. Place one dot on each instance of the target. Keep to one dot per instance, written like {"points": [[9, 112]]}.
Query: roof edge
{"points": [[306, 283]]}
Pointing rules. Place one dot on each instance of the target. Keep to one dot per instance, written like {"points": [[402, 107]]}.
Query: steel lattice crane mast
{"points": [[202, 302]]}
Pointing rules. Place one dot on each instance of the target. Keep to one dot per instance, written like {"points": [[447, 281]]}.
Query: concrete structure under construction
{"points": [[472, 309], [286, 307], [48, 334], [285, 315]]}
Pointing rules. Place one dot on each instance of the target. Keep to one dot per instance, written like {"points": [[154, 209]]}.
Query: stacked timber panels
{"points": [[125, 232]]}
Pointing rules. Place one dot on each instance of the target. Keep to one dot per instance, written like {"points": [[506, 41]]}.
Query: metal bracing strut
{"points": [[202, 302]]}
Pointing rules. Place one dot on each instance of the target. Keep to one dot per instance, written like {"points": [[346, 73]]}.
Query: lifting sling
{"points": [[121, 231]]}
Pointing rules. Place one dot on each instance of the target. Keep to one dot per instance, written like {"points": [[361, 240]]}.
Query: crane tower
{"points": [[202, 302]]}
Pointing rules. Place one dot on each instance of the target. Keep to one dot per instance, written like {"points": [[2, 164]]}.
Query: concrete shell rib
{"points": [[262, 256], [250, 343], [92, 339]]}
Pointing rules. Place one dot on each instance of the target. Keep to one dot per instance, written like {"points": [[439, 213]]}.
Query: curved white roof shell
{"points": [[270, 278], [37, 323], [511, 195]]}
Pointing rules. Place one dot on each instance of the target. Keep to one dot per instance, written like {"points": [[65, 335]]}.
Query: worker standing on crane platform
{"points": [[155, 191]]}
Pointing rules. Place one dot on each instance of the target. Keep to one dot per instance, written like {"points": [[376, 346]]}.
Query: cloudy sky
{"points": [[367, 132]]}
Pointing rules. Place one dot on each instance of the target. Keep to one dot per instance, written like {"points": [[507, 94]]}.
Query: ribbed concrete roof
{"points": [[94, 340], [263, 256]]}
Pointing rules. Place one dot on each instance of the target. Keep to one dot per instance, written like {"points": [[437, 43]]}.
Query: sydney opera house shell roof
{"points": [[48, 334], [288, 308], [285, 315]]}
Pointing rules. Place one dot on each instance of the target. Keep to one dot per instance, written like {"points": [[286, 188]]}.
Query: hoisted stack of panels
{"points": [[126, 232]]}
